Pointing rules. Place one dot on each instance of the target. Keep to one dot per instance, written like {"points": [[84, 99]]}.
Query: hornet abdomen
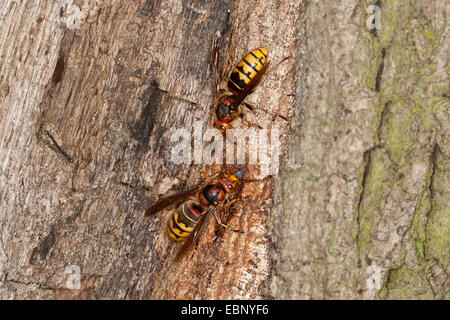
{"points": [[184, 220], [246, 69]]}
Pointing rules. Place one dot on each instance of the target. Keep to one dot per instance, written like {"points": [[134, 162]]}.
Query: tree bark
{"points": [[362, 207], [91, 91]]}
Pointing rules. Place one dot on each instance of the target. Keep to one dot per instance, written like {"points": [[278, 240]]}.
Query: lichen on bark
{"points": [[381, 98]]}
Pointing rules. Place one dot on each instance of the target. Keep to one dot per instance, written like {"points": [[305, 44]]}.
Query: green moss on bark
{"points": [[404, 74]]}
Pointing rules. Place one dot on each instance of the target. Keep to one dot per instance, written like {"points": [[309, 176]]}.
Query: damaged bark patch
{"points": [[59, 70], [44, 247], [143, 128]]}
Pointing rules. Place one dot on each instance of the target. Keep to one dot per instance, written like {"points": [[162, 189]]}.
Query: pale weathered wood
{"points": [[109, 91]]}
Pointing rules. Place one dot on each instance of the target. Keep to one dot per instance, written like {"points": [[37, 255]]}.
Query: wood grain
{"points": [[109, 92]]}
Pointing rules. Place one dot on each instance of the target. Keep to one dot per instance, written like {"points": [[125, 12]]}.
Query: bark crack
{"points": [[175, 97], [131, 186], [433, 164], [380, 71], [367, 160], [31, 284]]}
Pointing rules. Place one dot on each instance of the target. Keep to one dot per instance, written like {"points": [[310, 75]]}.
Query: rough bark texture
{"points": [[108, 90], [363, 205], [364, 184]]}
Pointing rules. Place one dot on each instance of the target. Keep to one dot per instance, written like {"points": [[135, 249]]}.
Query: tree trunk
{"points": [[362, 208], [91, 92]]}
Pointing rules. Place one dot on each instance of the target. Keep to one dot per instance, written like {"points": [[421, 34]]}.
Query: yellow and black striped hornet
{"points": [[243, 80], [198, 205]]}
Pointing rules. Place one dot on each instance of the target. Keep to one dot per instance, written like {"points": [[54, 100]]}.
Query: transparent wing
{"points": [[165, 202], [215, 60], [194, 236], [251, 86]]}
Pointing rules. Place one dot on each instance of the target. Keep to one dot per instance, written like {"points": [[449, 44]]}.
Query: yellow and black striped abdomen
{"points": [[184, 220], [246, 69]]}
